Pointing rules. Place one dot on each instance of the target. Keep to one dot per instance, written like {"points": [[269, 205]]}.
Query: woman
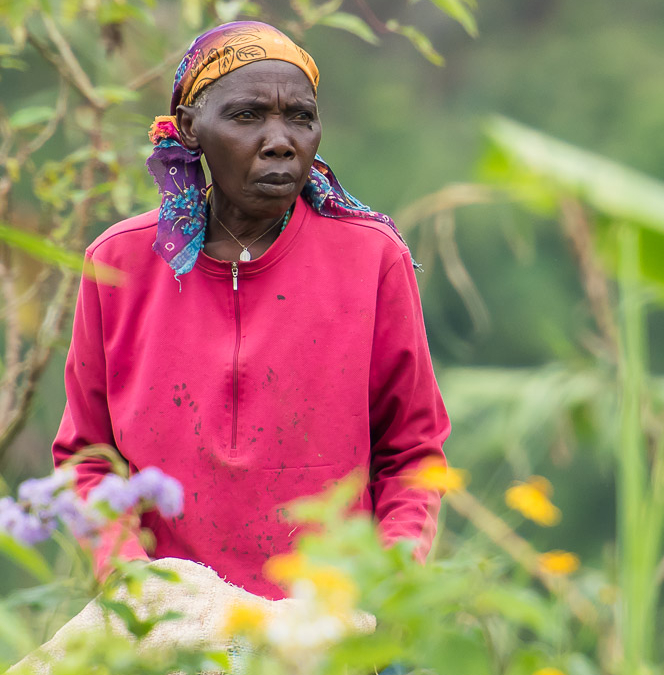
{"points": [[275, 341]]}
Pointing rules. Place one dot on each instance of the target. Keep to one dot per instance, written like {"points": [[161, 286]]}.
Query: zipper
{"points": [[236, 358]]}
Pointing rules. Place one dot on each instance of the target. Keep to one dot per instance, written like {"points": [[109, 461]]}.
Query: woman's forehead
{"points": [[265, 76], [269, 70]]}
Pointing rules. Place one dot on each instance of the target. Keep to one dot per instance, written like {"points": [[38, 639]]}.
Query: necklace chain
{"points": [[245, 256]]}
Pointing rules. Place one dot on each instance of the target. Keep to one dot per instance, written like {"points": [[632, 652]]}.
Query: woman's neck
{"points": [[227, 221], [229, 231]]}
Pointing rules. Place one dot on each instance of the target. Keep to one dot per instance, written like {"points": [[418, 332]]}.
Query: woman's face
{"points": [[259, 131]]}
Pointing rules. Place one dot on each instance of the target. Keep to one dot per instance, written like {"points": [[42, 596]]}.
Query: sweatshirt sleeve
{"points": [[86, 419], [408, 419]]}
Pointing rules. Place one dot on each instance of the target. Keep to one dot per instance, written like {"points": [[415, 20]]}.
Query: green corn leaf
{"points": [[651, 257], [617, 191]]}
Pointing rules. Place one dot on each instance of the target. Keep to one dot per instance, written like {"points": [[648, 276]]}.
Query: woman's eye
{"points": [[244, 115], [304, 116]]}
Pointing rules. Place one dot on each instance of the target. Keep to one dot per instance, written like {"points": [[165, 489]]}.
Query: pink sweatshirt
{"points": [[257, 383]]}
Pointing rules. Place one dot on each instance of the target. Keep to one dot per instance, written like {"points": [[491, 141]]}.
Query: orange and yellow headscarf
{"points": [[219, 52]]}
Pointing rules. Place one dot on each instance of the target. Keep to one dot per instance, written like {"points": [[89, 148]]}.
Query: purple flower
{"points": [[42, 501], [39, 492], [10, 514], [153, 485], [31, 529], [118, 493], [83, 521], [21, 525]]}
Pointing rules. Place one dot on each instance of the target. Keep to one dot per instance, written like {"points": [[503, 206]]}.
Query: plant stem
{"points": [[72, 68], [637, 542], [522, 552]]}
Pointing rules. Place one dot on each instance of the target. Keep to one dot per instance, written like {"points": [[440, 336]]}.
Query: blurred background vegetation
{"points": [[544, 271]]}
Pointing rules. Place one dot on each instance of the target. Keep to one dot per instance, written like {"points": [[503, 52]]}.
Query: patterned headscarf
{"points": [[178, 171]]}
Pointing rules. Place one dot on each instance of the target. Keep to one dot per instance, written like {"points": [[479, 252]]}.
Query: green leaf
{"points": [[218, 658], [69, 9], [134, 625], [651, 256], [122, 12], [580, 664], [458, 9], [30, 117], [121, 195], [42, 597], [116, 94], [228, 10], [418, 39], [615, 190], [9, 62], [522, 606], [14, 631], [132, 622], [167, 575], [26, 557], [48, 252], [526, 661], [192, 13], [458, 653], [133, 573], [364, 652], [351, 23], [329, 506]]}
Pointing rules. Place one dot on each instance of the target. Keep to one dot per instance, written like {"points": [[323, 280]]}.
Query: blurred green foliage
{"points": [[546, 342]]}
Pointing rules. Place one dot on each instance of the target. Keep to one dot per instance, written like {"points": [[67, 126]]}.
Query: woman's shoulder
{"points": [[126, 234], [373, 232]]}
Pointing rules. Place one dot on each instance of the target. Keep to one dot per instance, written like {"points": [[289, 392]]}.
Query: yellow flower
{"points": [[559, 563], [285, 568], [332, 586], [548, 671], [532, 500], [243, 619], [434, 474]]}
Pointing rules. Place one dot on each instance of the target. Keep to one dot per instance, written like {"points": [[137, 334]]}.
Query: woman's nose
{"points": [[277, 143]]}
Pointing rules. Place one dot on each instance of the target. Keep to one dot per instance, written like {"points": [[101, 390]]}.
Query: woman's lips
{"points": [[276, 185]]}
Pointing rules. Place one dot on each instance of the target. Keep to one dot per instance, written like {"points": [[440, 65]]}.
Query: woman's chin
{"points": [[274, 206]]}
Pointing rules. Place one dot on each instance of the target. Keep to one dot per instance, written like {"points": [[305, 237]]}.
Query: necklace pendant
{"points": [[245, 256]]}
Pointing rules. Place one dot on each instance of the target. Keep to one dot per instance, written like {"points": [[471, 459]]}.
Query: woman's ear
{"points": [[185, 116]]}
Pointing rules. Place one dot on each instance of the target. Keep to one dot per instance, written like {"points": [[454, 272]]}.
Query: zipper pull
{"points": [[234, 272]]}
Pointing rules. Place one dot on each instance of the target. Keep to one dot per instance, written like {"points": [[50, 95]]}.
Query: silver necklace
{"points": [[245, 255]]}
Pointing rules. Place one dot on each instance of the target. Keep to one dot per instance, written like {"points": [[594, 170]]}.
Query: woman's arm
{"points": [[86, 420], [408, 419]]}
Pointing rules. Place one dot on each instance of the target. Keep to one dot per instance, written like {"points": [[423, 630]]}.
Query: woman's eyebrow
{"points": [[301, 103], [263, 102], [246, 101]]}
